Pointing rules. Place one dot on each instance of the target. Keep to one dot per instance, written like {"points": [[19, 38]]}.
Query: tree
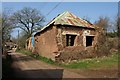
{"points": [[1, 26], [22, 39], [28, 19], [118, 29], [118, 26], [102, 22], [7, 25]]}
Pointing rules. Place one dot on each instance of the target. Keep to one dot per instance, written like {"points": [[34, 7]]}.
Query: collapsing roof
{"points": [[67, 18]]}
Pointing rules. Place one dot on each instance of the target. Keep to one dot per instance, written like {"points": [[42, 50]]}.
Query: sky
{"points": [[59, 0], [91, 10]]}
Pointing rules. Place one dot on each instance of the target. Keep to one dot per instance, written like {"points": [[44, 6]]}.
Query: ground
{"points": [[27, 67]]}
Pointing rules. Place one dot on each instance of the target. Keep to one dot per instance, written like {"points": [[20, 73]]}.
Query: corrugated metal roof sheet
{"points": [[67, 18]]}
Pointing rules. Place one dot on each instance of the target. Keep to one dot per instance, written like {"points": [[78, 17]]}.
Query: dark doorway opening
{"points": [[70, 39], [89, 40]]}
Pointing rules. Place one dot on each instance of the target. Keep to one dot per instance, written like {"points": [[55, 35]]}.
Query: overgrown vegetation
{"points": [[112, 34], [103, 62]]}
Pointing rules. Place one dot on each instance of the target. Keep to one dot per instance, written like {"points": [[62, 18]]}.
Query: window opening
{"points": [[89, 40], [70, 39]]}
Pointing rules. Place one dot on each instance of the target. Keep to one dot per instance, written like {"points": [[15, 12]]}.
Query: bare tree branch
{"points": [[30, 19], [103, 22]]}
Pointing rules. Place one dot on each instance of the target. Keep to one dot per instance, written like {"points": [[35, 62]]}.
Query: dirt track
{"points": [[27, 67]]}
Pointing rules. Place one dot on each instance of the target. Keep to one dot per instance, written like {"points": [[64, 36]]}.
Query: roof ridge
{"points": [[63, 15], [59, 15]]}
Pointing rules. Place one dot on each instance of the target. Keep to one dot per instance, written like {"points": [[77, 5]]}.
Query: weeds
{"points": [[36, 56], [102, 62]]}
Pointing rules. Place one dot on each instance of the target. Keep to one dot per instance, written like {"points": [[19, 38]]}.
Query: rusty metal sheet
{"points": [[68, 18]]}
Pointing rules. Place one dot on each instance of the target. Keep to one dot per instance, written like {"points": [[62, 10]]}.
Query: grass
{"points": [[38, 57], [103, 62]]}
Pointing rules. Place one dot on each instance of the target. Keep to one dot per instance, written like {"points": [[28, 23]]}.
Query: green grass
{"points": [[103, 62], [38, 57]]}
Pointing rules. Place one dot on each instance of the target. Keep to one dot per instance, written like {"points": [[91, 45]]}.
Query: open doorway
{"points": [[70, 39], [89, 40]]}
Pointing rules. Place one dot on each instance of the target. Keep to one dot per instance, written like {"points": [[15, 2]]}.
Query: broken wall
{"points": [[51, 43], [100, 47], [80, 33], [79, 50]]}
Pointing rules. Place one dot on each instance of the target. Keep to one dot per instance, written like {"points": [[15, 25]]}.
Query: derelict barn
{"points": [[66, 36]]}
